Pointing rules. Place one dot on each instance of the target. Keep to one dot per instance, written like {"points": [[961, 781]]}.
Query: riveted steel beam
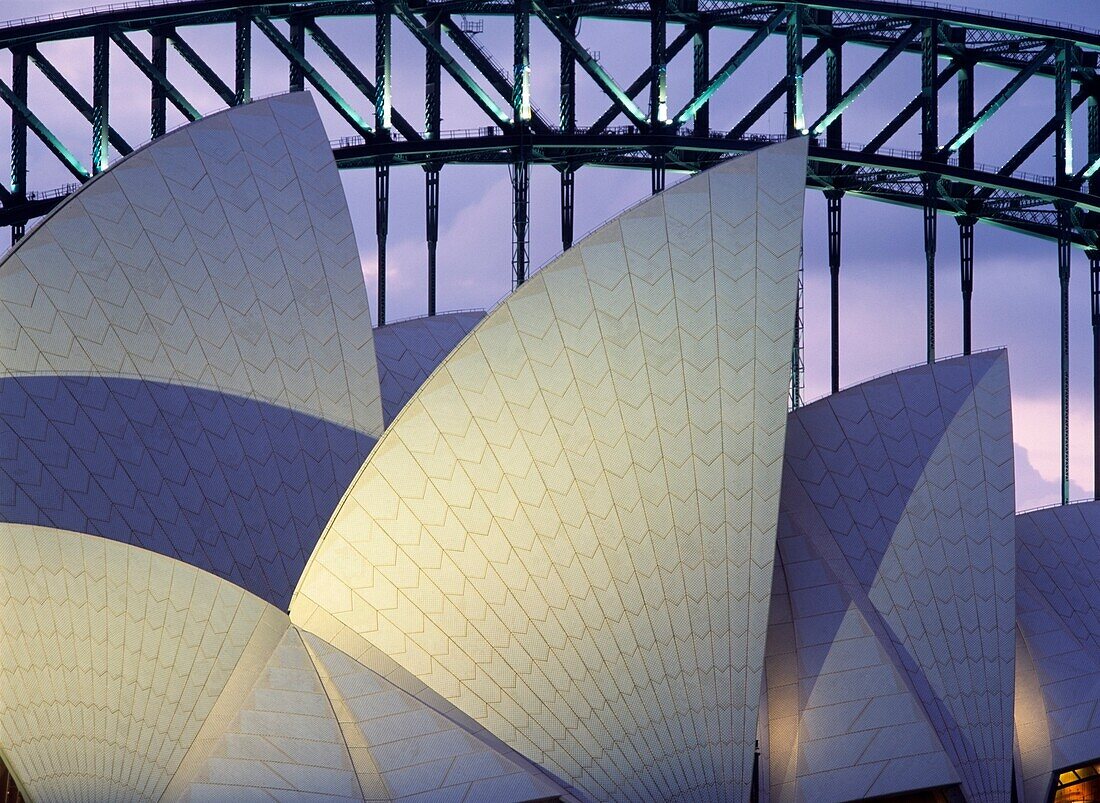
{"points": [[154, 70], [641, 82], [101, 94], [834, 87], [930, 89], [911, 108], [701, 80], [72, 94], [969, 128], [242, 60], [965, 109], [48, 138], [345, 65], [447, 61], [521, 64], [485, 65], [18, 141], [658, 63], [204, 71], [590, 64], [730, 67], [567, 87], [864, 81], [296, 81], [158, 65], [323, 87], [521, 213], [383, 73], [774, 94], [1063, 113], [796, 107]]}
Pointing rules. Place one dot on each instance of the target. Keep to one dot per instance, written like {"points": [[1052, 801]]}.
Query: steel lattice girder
{"points": [[1030, 48]]}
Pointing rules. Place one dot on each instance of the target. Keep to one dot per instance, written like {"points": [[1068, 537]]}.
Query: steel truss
{"points": [[943, 176]]}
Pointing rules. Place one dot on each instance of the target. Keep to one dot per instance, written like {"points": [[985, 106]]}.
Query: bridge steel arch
{"points": [[640, 128]]}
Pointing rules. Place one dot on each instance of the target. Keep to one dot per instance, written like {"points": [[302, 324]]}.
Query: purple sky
{"points": [[882, 279]]}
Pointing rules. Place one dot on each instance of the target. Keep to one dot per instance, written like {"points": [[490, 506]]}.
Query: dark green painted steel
{"points": [[1062, 204]]}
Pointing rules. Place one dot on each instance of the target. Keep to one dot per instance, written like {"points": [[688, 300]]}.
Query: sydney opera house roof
{"points": [[573, 549]]}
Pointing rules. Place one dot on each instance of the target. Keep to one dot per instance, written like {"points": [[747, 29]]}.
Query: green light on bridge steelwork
{"points": [[525, 93]]}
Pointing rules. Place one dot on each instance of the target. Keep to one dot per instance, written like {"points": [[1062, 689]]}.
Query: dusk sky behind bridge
{"points": [[882, 277]]}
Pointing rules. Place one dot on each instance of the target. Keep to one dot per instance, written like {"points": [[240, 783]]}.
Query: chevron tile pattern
{"points": [[408, 352], [187, 360], [843, 722], [902, 488], [111, 658], [220, 256], [1058, 638], [318, 725], [412, 752], [236, 487], [568, 532]]}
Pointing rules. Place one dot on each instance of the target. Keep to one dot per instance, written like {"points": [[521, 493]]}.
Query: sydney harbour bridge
{"points": [[944, 174]]}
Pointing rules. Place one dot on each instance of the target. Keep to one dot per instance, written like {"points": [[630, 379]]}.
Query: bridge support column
{"points": [[796, 347], [158, 109], [930, 133], [1064, 253], [568, 186], [101, 81], [18, 138], [966, 271], [567, 122], [833, 198], [1094, 273], [431, 217], [930, 225], [382, 227], [657, 174], [521, 208], [658, 87], [431, 171]]}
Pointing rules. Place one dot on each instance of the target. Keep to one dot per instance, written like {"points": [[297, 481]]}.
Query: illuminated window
{"points": [[1078, 784]]}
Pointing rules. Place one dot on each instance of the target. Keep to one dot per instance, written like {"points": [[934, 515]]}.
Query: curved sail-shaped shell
{"points": [[111, 659], [890, 661], [186, 358], [1058, 610], [127, 675], [568, 532], [318, 723], [408, 352]]}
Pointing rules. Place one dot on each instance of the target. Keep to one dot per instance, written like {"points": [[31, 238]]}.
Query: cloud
{"points": [[1036, 424]]}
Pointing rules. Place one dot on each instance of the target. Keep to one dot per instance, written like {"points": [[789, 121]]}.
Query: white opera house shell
{"points": [[575, 549]]}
